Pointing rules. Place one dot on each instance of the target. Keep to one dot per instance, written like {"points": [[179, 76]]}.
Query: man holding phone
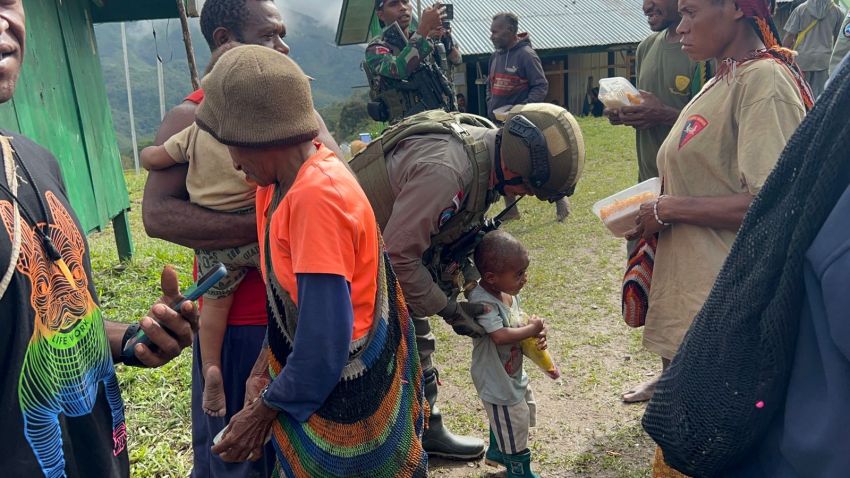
{"points": [[407, 71], [62, 408]]}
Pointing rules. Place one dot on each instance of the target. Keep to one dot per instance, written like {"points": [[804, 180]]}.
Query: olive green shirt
{"points": [[666, 72], [842, 45]]}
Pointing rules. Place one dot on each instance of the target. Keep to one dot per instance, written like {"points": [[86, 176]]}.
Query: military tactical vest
{"points": [[427, 88], [370, 166]]}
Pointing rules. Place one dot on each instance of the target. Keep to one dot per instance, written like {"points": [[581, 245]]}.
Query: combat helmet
{"points": [[543, 143]]}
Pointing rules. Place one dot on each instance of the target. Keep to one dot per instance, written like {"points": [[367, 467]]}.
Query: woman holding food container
{"points": [[717, 156]]}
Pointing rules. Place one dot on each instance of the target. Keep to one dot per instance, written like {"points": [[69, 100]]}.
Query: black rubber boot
{"points": [[437, 440]]}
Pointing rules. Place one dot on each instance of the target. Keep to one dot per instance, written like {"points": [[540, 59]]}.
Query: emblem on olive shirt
{"points": [[681, 86], [693, 127]]}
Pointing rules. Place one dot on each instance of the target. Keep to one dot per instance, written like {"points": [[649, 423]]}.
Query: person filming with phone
{"points": [[62, 409], [408, 70]]}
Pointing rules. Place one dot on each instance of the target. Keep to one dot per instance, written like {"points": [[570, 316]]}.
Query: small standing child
{"points": [[497, 370]]}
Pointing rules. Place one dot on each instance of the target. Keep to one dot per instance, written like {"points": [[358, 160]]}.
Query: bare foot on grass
{"points": [[214, 400], [642, 392]]}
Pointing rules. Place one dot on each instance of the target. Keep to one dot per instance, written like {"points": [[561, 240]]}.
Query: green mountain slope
{"points": [[336, 70]]}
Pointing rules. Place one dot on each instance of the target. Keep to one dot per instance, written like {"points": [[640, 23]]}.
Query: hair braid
{"points": [[766, 30]]}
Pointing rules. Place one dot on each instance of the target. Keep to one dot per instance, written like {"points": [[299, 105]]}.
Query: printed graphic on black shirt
{"points": [[68, 357]]}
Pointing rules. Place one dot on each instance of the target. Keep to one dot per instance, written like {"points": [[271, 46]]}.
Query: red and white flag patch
{"points": [[693, 127]]}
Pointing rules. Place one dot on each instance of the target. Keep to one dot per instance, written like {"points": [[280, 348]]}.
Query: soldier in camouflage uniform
{"points": [[407, 71]]}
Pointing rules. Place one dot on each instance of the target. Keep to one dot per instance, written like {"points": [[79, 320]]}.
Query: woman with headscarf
{"points": [[716, 158], [773, 402]]}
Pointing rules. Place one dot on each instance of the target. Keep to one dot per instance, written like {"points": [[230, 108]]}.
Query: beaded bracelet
{"points": [[655, 212]]}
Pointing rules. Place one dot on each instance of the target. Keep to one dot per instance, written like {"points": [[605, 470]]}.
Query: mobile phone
{"points": [[394, 36], [193, 293], [449, 15], [450, 11]]}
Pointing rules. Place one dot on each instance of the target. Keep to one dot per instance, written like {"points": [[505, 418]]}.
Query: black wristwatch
{"points": [[130, 360]]}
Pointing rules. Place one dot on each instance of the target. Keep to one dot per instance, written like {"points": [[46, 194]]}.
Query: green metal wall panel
{"points": [[60, 103], [46, 107], [95, 117]]}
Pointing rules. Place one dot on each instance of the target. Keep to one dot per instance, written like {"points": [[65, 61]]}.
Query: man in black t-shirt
{"points": [[61, 411]]}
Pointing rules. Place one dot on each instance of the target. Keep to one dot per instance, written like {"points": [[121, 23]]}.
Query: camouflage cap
{"points": [[563, 156]]}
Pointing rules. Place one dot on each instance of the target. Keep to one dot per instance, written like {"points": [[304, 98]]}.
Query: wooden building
{"points": [[579, 41]]}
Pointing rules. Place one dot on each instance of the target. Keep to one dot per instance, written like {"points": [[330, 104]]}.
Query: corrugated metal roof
{"points": [[552, 24]]}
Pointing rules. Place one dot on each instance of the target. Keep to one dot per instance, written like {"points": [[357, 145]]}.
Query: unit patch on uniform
{"points": [[847, 31], [682, 85], [450, 211], [693, 127]]}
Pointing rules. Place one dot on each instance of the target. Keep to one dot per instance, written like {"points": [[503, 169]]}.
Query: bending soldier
{"points": [[430, 180], [407, 71]]}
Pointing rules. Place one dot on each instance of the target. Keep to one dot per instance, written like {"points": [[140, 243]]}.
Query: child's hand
{"points": [[537, 324], [541, 336]]}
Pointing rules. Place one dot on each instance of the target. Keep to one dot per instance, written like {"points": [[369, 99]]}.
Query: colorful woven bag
{"points": [[637, 281], [371, 424]]}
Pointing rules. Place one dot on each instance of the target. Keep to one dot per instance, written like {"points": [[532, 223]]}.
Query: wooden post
{"points": [[123, 236], [130, 98], [187, 40]]}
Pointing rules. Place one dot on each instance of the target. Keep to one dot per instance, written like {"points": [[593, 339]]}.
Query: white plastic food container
{"points": [[618, 212], [618, 92], [501, 113]]}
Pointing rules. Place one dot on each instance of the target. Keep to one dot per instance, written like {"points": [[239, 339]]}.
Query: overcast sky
{"points": [[327, 13]]}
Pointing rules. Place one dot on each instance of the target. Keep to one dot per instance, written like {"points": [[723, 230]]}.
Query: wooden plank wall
{"points": [[61, 104], [104, 158], [584, 68]]}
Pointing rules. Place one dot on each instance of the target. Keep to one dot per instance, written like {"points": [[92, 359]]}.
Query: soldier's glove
{"points": [[461, 316]]}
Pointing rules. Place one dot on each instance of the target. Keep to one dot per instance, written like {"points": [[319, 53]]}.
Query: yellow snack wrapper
{"points": [[542, 358]]}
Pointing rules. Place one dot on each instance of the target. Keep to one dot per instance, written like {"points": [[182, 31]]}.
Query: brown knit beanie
{"points": [[257, 97]]}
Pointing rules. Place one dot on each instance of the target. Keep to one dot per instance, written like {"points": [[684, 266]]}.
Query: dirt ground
{"points": [[583, 427]]}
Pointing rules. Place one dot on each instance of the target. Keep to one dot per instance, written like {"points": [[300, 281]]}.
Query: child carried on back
{"points": [[497, 370], [214, 183]]}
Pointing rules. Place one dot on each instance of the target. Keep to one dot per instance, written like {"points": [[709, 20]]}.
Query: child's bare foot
{"points": [[214, 400]]}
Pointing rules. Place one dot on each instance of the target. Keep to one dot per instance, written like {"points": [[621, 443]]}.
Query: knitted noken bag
{"points": [[372, 422], [715, 401]]}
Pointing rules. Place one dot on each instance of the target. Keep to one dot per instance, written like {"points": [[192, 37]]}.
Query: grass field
{"points": [[576, 267]]}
